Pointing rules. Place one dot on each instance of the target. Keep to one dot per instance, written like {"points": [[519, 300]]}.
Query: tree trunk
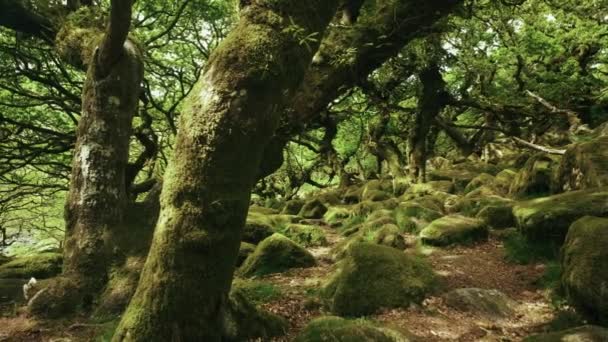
{"points": [[227, 122], [98, 194], [432, 101]]}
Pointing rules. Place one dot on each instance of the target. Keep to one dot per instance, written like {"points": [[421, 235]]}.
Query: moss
{"points": [[548, 218], [585, 333], [375, 196], [389, 235], [454, 229], [60, 297], [413, 217], [44, 265], [474, 201], [504, 179], [257, 292], [293, 207], [314, 209], [431, 188], [337, 214], [352, 194], [534, 179], [498, 216], [463, 173], [306, 235], [244, 322], [585, 267], [584, 166], [245, 251], [372, 277], [276, 254], [520, 250], [477, 182], [256, 229], [262, 210], [333, 329], [367, 207]]}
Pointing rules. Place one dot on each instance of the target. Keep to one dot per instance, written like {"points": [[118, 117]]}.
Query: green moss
{"points": [[548, 218], [276, 254], [293, 207], [256, 229], [314, 209], [40, 266], [245, 251], [375, 196], [454, 229], [337, 214], [585, 267], [584, 166], [497, 216], [585, 333], [389, 235], [413, 217], [482, 179], [462, 174], [534, 179], [372, 277], [306, 235], [256, 291], [334, 329], [431, 188], [520, 250]]}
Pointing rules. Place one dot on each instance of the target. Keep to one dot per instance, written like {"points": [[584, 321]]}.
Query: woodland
{"points": [[289, 170]]}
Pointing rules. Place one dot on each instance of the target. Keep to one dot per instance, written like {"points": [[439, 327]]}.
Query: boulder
{"points": [[504, 179], [276, 254], [454, 229], [585, 267], [39, 266], [337, 214], [371, 277], [245, 251], [463, 173], [413, 217], [293, 207], [244, 322], [336, 329], [375, 196], [352, 194], [367, 207], [586, 333], [534, 179], [548, 218], [474, 201], [430, 188], [492, 303], [498, 216], [256, 230], [314, 209], [584, 166], [481, 180], [389, 235], [306, 235]]}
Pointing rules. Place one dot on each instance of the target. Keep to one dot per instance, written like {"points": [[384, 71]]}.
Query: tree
{"points": [[229, 119]]}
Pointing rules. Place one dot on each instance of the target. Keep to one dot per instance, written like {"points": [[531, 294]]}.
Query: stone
{"points": [[483, 302], [276, 254], [39, 266], [454, 229], [336, 329]]}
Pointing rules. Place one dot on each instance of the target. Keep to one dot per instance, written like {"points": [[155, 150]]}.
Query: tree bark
{"points": [[227, 122], [432, 101]]}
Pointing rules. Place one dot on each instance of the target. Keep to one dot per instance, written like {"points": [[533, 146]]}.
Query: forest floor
{"points": [[481, 265]]}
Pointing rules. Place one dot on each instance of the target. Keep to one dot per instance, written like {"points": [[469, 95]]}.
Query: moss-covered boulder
{"points": [[498, 216], [276, 254], [245, 251], [430, 188], [375, 196], [463, 173], [256, 230], [352, 194], [548, 218], [4, 259], [293, 207], [481, 180], [454, 229], [488, 303], [367, 207], [39, 266], [337, 329], [314, 209], [306, 235], [584, 166], [335, 215], [389, 235], [384, 185], [504, 179], [585, 267], [371, 277], [413, 217], [474, 201], [534, 179], [244, 322], [586, 333]]}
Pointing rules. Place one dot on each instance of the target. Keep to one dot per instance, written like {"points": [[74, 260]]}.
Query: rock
{"points": [[548, 218], [383, 185], [454, 229], [371, 277], [244, 322], [413, 217], [375, 196], [534, 179], [367, 207], [255, 231], [474, 201], [491, 303], [463, 173], [330, 197], [585, 267], [477, 182], [276, 254], [40, 266], [336, 329], [498, 216], [389, 235], [504, 179], [293, 207], [352, 194], [584, 166], [314, 209], [337, 214], [306, 235], [262, 210], [586, 333], [430, 188], [245, 250]]}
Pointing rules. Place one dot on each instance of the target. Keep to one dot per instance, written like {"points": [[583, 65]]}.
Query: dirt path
{"points": [[481, 266]]}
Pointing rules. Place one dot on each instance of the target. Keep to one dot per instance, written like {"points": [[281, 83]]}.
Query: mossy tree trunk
{"points": [[228, 120], [97, 196], [431, 102]]}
